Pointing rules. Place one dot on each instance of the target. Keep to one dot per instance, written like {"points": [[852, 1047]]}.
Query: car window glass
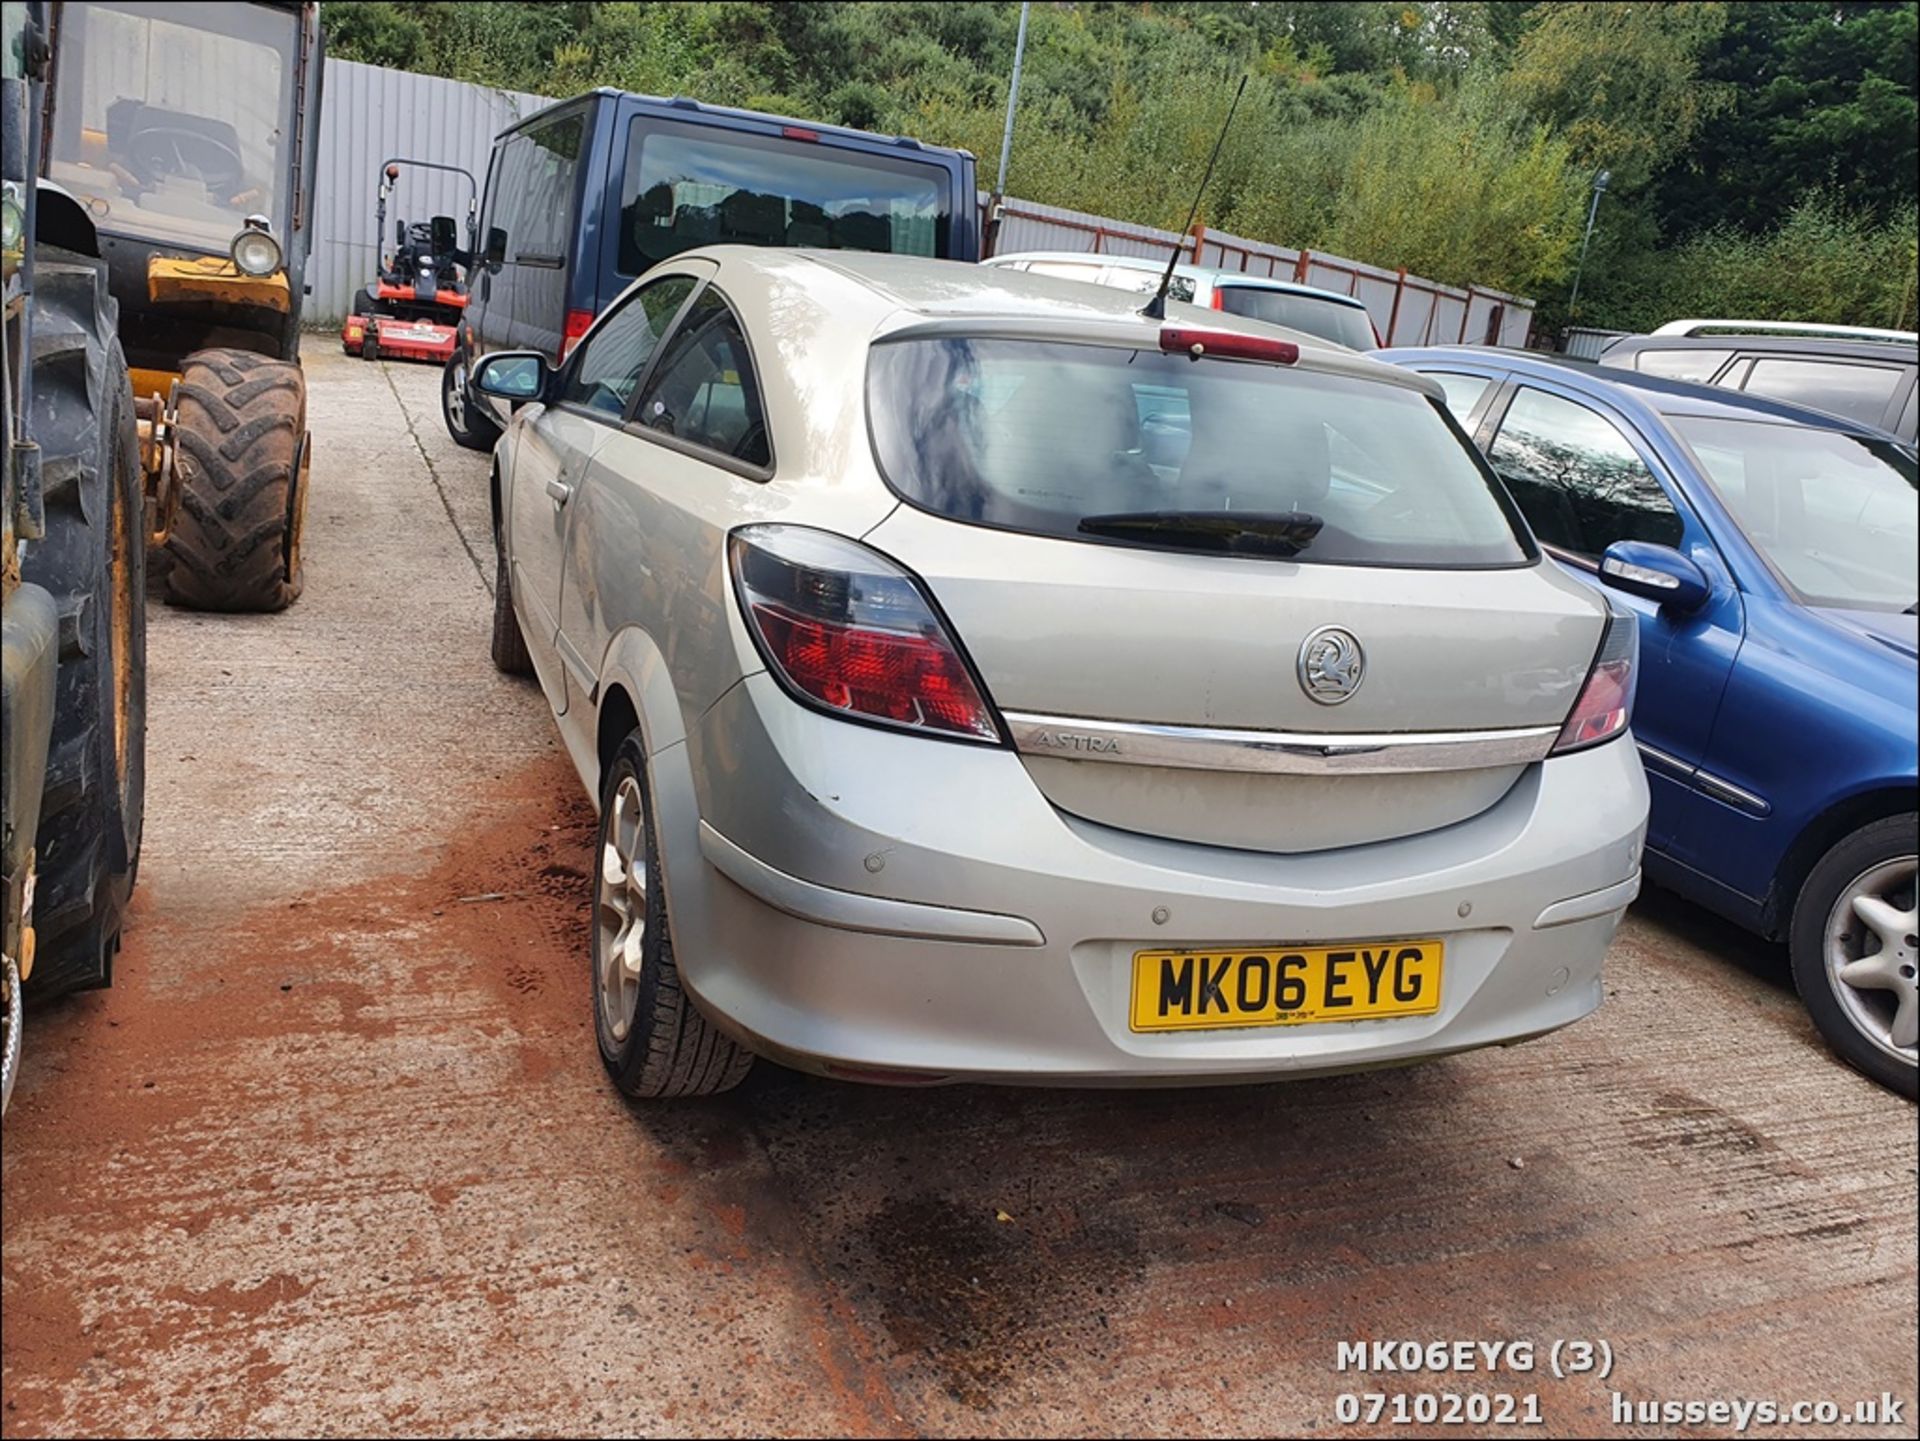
{"points": [[1044, 437], [545, 186], [1576, 477], [617, 351], [508, 195], [1838, 517], [704, 391], [1463, 391], [1860, 392], [1329, 319], [685, 185], [1699, 365]]}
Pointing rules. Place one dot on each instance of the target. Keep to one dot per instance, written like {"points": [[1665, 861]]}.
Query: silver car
{"points": [[979, 680], [1327, 314]]}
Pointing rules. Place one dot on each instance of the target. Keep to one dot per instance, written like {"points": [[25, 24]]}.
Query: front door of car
{"points": [[556, 448], [648, 551], [552, 450], [1585, 478]]}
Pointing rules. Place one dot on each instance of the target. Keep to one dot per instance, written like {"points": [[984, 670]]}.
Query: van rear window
{"points": [[689, 185]]}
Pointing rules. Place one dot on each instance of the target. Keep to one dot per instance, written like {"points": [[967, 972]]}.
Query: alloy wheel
{"points": [[621, 909], [1872, 956], [457, 396]]}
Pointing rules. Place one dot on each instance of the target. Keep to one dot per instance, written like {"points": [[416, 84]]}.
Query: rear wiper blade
{"points": [[1281, 533]]}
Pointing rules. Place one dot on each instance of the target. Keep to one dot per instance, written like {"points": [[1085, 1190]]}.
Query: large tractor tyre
{"points": [[93, 559], [467, 423], [243, 460]]}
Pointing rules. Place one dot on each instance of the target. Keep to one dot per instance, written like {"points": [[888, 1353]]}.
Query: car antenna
{"points": [[1156, 308]]}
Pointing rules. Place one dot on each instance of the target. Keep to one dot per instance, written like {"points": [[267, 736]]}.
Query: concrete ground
{"points": [[336, 1156]]}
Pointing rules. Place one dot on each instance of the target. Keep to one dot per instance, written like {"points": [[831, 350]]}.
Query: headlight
{"points": [[256, 253]]}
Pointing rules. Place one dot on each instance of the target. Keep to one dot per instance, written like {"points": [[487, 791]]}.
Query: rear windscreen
{"points": [[1329, 319], [1038, 437], [689, 185]]}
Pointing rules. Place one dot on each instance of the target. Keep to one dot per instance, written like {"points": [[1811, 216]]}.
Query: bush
{"points": [[1822, 264]]}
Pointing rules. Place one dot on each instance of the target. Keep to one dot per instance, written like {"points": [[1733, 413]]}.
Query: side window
{"points": [[704, 391], [505, 198], [614, 355], [1859, 392], [545, 185], [1463, 392], [1699, 365], [1577, 479]]}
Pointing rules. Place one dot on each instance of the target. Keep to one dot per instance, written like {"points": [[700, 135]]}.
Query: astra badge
{"points": [[1331, 665]]}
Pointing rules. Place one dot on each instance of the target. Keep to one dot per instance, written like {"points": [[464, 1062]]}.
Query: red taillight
{"points": [[799, 132], [846, 630], [577, 324], [1219, 301], [1227, 345], [1605, 706]]}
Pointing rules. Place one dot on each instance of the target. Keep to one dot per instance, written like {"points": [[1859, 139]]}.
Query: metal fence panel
{"points": [[1587, 342], [369, 115]]}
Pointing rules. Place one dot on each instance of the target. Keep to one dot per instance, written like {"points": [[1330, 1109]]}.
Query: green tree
{"points": [[1621, 81], [1824, 99]]}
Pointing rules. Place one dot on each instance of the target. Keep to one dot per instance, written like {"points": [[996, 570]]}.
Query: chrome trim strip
{"points": [[1732, 794], [849, 911], [1275, 752], [1593, 904], [1671, 765]]}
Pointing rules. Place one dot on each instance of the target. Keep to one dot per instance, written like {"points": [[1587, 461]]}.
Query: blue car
{"points": [[1772, 555]]}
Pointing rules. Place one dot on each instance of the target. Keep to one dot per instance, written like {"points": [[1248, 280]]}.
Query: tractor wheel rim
{"points": [[621, 910], [1872, 957]]}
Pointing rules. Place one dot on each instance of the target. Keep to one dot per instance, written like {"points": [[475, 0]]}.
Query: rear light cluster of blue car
{"points": [[1605, 706], [847, 631]]}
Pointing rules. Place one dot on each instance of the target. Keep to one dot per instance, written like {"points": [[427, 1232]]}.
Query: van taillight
{"points": [[577, 325]]}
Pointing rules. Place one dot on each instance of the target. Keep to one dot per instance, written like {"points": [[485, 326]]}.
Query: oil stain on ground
{"points": [[986, 1301]]}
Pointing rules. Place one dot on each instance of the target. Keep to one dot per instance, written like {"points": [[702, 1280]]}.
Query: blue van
{"points": [[586, 195]]}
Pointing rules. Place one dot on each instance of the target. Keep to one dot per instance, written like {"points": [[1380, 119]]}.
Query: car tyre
{"points": [[509, 646], [1853, 949], [653, 1039], [466, 423]]}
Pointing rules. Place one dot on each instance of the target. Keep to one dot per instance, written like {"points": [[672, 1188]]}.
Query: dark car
{"points": [[588, 194], [1865, 375], [1772, 555]]}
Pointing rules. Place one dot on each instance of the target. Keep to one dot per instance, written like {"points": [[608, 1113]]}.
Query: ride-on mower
{"points": [[411, 310]]}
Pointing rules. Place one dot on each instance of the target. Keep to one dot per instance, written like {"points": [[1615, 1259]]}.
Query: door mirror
{"points": [[1657, 573], [446, 236], [512, 375], [496, 254]]}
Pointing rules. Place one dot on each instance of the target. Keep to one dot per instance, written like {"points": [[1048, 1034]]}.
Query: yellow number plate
{"points": [[1284, 985]]}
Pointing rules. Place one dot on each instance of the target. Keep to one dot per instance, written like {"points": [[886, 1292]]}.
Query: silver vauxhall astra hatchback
{"points": [[979, 680]]}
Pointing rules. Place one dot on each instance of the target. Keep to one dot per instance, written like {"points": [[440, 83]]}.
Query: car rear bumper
{"points": [[846, 899]]}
